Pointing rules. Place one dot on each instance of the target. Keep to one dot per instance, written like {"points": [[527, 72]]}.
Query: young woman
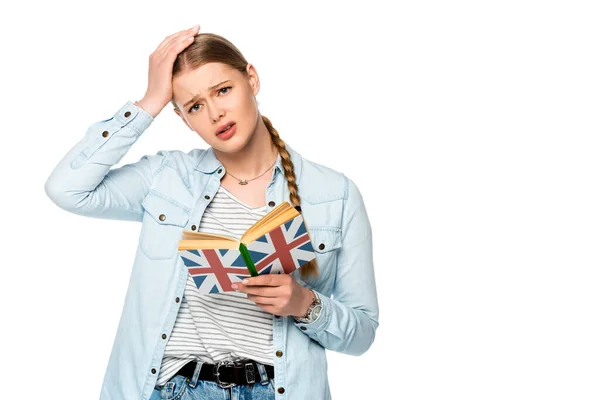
{"points": [[267, 339]]}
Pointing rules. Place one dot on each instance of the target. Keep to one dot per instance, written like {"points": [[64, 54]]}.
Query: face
{"points": [[214, 95]]}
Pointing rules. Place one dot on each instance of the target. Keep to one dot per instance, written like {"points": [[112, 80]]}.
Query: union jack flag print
{"points": [[282, 250], [214, 270]]}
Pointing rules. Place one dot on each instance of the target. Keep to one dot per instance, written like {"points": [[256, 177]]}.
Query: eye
{"points": [[192, 109], [226, 87]]}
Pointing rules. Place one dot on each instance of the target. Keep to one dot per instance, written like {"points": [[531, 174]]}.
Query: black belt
{"points": [[227, 373]]}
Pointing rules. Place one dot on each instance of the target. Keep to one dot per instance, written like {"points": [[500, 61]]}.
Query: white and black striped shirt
{"points": [[219, 326]]}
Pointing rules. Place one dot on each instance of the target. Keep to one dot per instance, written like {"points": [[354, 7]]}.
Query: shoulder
{"points": [[195, 154], [172, 157], [171, 171], [319, 183], [323, 187], [178, 160]]}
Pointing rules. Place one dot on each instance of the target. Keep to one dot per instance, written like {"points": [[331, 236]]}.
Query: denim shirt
{"points": [[168, 192]]}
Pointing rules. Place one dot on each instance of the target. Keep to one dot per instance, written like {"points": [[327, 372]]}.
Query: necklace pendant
{"points": [[244, 182]]}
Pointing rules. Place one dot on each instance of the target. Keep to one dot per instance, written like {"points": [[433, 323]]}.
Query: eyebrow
{"points": [[210, 88]]}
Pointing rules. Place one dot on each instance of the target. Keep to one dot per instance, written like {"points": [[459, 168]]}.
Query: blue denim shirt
{"points": [[168, 192]]}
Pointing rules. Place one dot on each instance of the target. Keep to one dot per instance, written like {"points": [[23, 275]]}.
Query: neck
{"points": [[253, 159]]}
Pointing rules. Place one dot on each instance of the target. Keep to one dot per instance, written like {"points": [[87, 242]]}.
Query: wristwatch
{"points": [[313, 311]]}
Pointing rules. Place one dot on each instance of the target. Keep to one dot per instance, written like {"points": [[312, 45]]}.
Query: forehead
{"points": [[198, 80]]}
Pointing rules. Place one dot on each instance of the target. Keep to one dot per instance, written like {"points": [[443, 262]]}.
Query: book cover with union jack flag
{"points": [[278, 243]]}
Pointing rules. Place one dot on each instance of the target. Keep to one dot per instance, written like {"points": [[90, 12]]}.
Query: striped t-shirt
{"points": [[219, 326]]}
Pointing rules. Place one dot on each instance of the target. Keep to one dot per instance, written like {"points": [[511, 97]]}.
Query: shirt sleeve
{"points": [[83, 181], [349, 319]]}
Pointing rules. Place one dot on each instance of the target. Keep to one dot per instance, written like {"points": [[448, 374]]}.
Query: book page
{"points": [[186, 244], [191, 235], [279, 215], [191, 240]]}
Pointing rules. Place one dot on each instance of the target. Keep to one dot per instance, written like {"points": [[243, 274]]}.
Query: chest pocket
{"points": [[326, 242], [163, 223]]}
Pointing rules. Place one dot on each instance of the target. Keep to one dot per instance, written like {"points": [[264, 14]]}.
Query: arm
{"points": [[84, 184], [348, 321]]}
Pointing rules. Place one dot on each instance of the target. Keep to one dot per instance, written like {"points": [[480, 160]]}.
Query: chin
{"points": [[233, 145]]}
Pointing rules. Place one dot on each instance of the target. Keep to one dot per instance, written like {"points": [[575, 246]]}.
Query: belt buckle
{"points": [[224, 385], [249, 368]]}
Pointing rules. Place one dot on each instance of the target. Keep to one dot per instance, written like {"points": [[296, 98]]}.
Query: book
{"points": [[278, 243]]}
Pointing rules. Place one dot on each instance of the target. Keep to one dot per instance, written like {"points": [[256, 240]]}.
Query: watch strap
{"points": [[306, 317]]}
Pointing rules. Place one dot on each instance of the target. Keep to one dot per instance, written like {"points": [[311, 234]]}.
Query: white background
{"points": [[471, 129]]}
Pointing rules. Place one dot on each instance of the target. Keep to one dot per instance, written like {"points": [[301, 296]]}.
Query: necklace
{"points": [[245, 181]]}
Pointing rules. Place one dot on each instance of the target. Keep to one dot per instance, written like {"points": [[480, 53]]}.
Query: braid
{"points": [[310, 268]]}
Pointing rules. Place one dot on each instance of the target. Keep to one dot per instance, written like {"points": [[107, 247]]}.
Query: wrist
{"points": [[149, 107], [307, 299]]}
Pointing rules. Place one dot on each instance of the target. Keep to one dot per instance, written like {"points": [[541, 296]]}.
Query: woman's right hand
{"points": [[160, 70]]}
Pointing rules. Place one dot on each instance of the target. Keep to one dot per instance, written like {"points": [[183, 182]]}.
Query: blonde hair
{"points": [[212, 48]]}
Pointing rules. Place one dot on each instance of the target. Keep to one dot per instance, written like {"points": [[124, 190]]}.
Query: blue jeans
{"points": [[181, 388]]}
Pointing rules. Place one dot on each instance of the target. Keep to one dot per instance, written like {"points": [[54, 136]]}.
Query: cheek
{"points": [[242, 101], [240, 107], [203, 131], [245, 112]]}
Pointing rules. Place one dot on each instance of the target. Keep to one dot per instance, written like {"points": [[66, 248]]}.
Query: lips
{"points": [[224, 126]]}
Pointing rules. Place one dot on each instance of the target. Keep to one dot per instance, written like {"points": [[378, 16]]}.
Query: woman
{"points": [[267, 339]]}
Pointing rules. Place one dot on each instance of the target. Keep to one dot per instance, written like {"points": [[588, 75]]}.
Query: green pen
{"points": [[248, 259]]}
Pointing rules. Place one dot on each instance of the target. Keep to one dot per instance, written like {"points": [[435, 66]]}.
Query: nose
{"points": [[219, 113]]}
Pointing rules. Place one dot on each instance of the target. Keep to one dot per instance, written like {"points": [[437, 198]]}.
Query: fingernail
{"points": [[244, 281], [233, 285]]}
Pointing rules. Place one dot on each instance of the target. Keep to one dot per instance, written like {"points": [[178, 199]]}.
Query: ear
{"points": [[183, 119], [253, 79]]}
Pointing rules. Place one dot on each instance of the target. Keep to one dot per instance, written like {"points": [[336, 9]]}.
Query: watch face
{"points": [[315, 312]]}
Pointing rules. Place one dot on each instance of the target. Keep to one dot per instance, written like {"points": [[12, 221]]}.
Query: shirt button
{"points": [[193, 227], [271, 203], [127, 114], [162, 217], [280, 390], [321, 246], [177, 300], [164, 336], [207, 197], [153, 371], [303, 328], [279, 353], [105, 134]]}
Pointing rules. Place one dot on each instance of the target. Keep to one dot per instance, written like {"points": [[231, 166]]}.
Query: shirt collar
{"points": [[208, 162]]}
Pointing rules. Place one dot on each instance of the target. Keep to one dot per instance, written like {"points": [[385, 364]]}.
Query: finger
{"points": [[267, 280], [261, 300], [270, 309], [179, 37], [185, 32], [267, 291], [170, 52], [176, 44]]}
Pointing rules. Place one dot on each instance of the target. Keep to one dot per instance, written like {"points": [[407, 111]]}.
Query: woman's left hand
{"points": [[279, 294]]}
